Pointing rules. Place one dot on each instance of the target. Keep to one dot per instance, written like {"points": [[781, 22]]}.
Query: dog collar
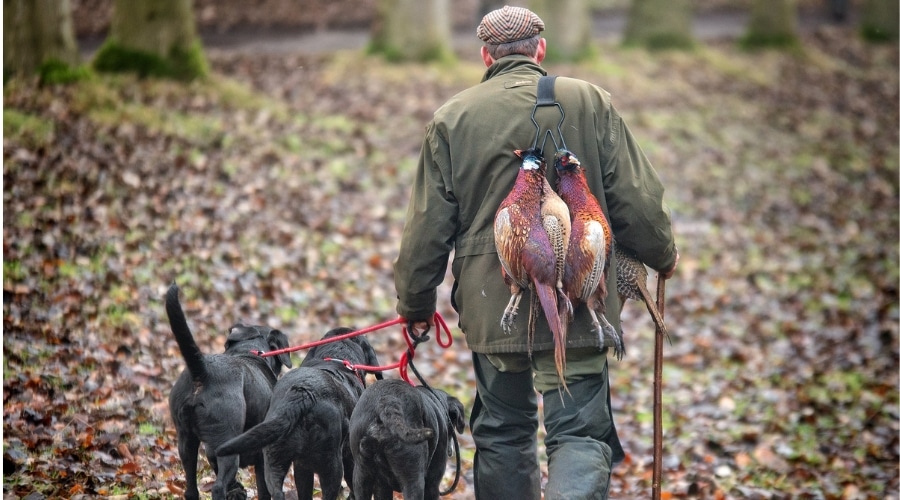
{"points": [[349, 366]]}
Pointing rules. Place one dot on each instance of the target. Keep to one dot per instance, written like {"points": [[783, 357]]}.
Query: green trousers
{"points": [[581, 441]]}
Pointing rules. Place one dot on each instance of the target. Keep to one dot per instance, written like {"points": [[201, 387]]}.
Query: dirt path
{"points": [[607, 28]]}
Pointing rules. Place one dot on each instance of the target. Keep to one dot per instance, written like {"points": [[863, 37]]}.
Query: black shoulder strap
{"points": [[545, 92], [546, 96]]}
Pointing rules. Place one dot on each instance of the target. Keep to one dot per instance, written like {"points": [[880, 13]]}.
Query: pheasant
{"points": [[590, 245], [531, 232], [631, 283]]}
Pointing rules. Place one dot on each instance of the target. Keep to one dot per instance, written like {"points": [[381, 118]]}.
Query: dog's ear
{"points": [[238, 333], [457, 413], [371, 357], [278, 340], [341, 330]]}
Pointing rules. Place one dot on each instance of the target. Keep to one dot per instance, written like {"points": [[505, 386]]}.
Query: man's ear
{"points": [[486, 57], [541, 50]]}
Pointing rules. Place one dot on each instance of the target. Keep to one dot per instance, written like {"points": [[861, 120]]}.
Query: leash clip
{"points": [[347, 364]]}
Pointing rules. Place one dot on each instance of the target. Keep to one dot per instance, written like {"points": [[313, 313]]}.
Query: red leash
{"points": [[440, 326]]}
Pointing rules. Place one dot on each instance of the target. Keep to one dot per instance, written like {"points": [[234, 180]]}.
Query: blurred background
{"points": [[260, 154]]}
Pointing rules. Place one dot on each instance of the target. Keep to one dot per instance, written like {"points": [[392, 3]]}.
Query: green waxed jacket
{"points": [[467, 167]]}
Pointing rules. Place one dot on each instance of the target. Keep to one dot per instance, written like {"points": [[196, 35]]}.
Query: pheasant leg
{"points": [[608, 334], [512, 309]]}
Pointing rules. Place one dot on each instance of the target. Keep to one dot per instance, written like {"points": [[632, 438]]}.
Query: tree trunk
{"points": [[660, 24], [567, 28], [485, 6], [412, 30], [773, 23], [879, 20], [36, 32], [153, 38]]}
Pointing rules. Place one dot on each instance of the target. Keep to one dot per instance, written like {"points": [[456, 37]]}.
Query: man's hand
{"points": [[419, 328], [668, 274]]}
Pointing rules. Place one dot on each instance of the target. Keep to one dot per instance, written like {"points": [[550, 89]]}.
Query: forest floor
{"points": [[276, 191]]}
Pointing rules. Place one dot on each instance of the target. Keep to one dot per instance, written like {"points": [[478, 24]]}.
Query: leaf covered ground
{"points": [[276, 193]]}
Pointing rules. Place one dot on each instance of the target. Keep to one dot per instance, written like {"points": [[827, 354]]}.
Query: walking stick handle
{"points": [[657, 391]]}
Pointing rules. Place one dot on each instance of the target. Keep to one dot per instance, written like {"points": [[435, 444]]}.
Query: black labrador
{"points": [[219, 396], [399, 435], [308, 421]]}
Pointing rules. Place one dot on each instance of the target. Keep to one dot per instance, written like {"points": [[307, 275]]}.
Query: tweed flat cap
{"points": [[509, 24]]}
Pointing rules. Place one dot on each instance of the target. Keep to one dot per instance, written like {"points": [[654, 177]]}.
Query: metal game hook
{"points": [[537, 134], [550, 135]]}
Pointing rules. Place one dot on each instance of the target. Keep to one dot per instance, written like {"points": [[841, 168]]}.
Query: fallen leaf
{"points": [[742, 460], [124, 451], [129, 468], [174, 488], [768, 458]]}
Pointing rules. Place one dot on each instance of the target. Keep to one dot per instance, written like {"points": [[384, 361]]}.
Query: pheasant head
{"points": [[532, 159], [566, 161]]}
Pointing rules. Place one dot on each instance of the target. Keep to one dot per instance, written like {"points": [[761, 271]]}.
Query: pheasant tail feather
{"points": [[547, 296], [654, 312]]}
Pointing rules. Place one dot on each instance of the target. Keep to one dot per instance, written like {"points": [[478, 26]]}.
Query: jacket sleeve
{"points": [[429, 233], [634, 193]]}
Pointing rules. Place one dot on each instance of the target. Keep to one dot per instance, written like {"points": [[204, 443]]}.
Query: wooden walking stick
{"points": [[657, 390], [631, 283]]}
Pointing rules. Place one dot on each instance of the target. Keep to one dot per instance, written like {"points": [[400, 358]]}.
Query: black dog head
{"points": [[245, 338], [456, 413], [355, 350], [456, 417]]}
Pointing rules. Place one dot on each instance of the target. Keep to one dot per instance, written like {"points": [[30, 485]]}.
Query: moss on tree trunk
{"points": [[879, 20], [153, 38], [773, 23], [37, 33]]}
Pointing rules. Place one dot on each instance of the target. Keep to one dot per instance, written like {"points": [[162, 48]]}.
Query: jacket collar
{"points": [[511, 63]]}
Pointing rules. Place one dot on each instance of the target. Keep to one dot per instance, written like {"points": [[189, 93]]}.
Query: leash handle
{"points": [[441, 326], [657, 391]]}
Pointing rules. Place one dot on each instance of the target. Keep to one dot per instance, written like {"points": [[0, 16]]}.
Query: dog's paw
{"points": [[236, 493]]}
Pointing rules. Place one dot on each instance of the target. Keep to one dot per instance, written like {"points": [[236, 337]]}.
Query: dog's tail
{"points": [[189, 349], [256, 438], [396, 427], [279, 422]]}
